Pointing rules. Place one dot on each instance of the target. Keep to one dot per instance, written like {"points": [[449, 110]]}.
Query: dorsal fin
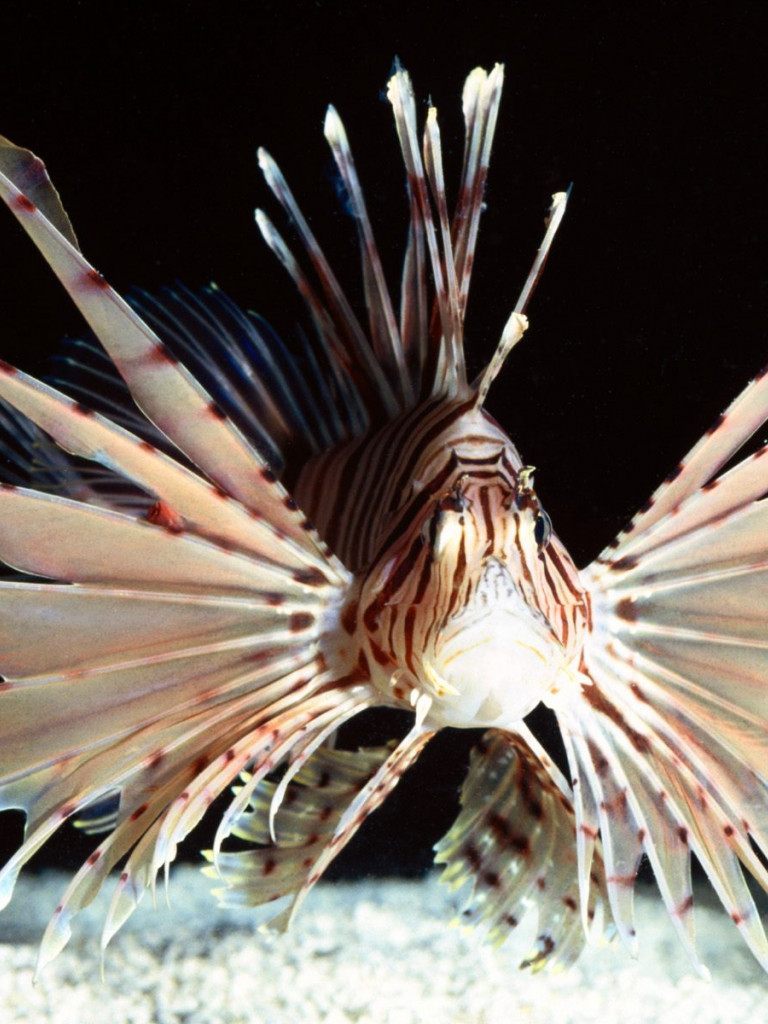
{"points": [[416, 352], [518, 322]]}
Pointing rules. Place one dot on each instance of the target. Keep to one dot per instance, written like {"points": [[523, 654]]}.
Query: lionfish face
{"points": [[458, 608]]}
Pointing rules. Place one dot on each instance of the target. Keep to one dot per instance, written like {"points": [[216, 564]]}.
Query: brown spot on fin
{"points": [[29, 175]]}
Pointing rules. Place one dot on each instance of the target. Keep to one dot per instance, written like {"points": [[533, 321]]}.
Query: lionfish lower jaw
{"points": [[491, 688]]}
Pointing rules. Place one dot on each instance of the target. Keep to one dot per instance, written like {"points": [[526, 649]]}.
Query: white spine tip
{"points": [[266, 162], [333, 129], [556, 207], [496, 77], [268, 168], [703, 972], [398, 86], [558, 199]]}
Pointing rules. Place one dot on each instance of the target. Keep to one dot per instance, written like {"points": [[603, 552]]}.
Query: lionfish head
{"points": [[470, 617], [493, 653]]}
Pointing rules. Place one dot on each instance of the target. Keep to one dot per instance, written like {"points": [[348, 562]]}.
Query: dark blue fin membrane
{"points": [[289, 403]]}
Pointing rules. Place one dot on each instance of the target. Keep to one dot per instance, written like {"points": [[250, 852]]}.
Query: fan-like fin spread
{"points": [[671, 736], [180, 644]]}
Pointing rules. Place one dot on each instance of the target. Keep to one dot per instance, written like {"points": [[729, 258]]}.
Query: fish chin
{"points": [[491, 672]]}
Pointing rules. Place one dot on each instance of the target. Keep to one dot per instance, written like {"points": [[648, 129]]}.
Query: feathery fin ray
{"points": [[676, 713]]}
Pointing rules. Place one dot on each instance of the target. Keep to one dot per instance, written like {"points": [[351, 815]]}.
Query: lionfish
{"points": [[173, 624]]}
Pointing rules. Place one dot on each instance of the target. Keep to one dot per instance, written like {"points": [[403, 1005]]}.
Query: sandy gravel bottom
{"points": [[375, 951]]}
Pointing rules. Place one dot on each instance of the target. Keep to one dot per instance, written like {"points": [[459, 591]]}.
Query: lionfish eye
{"points": [[455, 501], [542, 529]]}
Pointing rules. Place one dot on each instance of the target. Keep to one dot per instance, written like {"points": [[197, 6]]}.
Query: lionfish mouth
{"points": [[491, 668]]}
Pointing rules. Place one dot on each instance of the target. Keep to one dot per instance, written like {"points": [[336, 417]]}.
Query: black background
{"points": [[652, 312]]}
